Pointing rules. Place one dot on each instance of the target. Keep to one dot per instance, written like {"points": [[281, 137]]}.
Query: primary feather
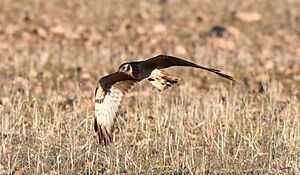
{"points": [[109, 95], [165, 61]]}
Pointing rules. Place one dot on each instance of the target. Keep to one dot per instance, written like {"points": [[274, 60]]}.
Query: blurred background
{"points": [[253, 40], [52, 54]]}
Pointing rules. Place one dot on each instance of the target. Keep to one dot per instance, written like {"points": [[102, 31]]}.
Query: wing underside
{"points": [[109, 95]]}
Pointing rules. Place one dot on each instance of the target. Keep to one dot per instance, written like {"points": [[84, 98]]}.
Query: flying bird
{"points": [[111, 89]]}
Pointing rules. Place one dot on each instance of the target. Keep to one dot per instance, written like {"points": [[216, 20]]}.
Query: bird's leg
{"points": [[161, 80]]}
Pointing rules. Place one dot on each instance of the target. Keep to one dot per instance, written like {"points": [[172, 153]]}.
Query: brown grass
{"points": [[53, 53]]}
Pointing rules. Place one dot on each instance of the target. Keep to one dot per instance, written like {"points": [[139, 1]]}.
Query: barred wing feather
{"points": [[109, 95]]}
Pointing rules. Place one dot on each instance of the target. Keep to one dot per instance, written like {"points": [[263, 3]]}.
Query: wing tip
{"points": [[231, 78], [218, 72], [104, 136]]}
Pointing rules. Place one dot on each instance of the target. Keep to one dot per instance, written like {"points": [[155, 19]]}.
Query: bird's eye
{"points": [[125, 68]]}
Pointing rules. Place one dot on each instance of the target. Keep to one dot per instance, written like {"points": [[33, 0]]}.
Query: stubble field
{"points": [[52, 54]]}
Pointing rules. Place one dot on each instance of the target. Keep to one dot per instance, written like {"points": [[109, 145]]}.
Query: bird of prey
{"points": [[112, 88]]}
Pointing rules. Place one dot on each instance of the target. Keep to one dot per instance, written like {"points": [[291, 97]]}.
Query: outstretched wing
{"points": [[109, 95], [165, 61]]}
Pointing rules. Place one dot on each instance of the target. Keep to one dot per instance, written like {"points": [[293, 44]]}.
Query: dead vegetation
{"points": [[52, 54]]}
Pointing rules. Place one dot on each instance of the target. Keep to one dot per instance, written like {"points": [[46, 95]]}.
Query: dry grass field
{"points": [[52, 54]]}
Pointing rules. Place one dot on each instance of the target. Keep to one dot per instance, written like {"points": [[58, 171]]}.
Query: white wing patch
{"points": [[106, 113]]}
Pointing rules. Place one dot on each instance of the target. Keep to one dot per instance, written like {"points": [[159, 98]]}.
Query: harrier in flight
{"points": [[112, 88]]}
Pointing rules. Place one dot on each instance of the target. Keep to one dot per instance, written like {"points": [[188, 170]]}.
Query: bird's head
{"points": [[130, 68], [126, 68]]}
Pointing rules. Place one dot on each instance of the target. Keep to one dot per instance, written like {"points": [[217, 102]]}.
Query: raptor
{"points": [[111, 89]]}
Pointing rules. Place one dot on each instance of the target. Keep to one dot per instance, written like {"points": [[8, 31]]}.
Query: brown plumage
{"points": [[165, 61], [112, 88], [109, 94]]}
